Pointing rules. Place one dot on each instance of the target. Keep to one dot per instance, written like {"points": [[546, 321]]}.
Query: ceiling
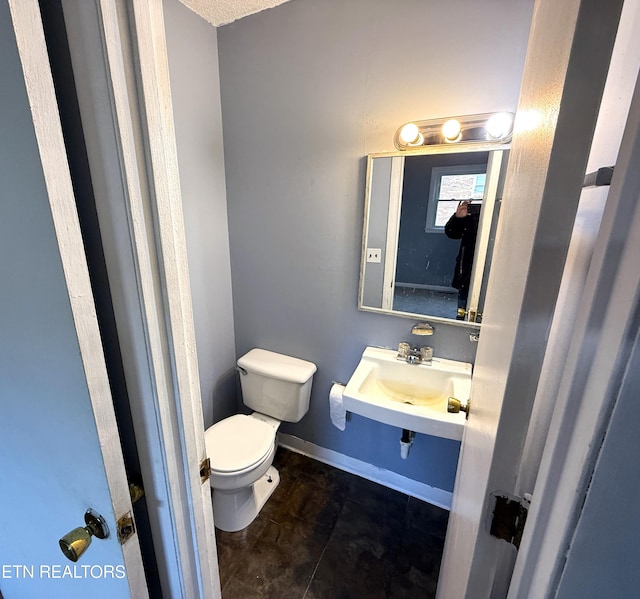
{"points": [[222, 12]]}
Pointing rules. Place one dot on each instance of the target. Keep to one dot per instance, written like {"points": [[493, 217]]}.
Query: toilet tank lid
{"points": [[279, 366]]}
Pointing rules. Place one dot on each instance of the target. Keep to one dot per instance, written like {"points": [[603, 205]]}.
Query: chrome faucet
{"points": [[414, 355]]}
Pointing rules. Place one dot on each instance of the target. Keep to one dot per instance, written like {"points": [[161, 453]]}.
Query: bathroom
{"points": [[301, 109], [300, 112], [302, 106]]}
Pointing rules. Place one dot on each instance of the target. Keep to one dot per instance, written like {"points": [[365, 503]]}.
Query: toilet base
{"points": [[233, 511]]}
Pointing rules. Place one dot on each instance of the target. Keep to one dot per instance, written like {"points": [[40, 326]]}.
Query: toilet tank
{"points": [[276, 385]]}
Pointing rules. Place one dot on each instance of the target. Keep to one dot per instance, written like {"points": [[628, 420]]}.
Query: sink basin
{"points": [[410, 396]]}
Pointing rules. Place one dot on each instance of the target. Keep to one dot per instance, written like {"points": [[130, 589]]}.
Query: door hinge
{"points": [[509, 515], [136, 491], [205, 470], [126, 528]]}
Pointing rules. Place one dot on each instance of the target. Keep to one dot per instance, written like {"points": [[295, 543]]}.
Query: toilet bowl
{"points": [[241, 448]]}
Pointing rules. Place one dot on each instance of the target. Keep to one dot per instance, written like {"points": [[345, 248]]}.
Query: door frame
{"points": [[34, 58], [569, 44], [393, 232], [599, 357], [118, 53]]}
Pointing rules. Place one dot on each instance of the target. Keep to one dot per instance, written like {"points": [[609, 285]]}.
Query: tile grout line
{"points": [[324, 549], [316, 568]]}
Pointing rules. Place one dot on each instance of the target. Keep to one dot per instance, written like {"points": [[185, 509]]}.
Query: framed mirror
{"points": [[429, 228]]}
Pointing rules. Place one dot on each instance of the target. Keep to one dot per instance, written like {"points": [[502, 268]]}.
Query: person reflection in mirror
{"points": [[463, 225]]}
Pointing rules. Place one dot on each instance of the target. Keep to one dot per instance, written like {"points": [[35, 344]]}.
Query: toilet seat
{"points": [[238, 443]]}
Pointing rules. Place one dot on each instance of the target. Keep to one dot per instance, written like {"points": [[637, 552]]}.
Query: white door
{"points": [[588, 475], [567, 60], [60, 453]]}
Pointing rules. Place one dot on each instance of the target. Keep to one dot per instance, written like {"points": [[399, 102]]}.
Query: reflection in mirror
{"points": [[430, 220]]}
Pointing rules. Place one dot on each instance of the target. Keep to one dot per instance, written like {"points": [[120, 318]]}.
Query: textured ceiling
{"points": [[221, 12]]}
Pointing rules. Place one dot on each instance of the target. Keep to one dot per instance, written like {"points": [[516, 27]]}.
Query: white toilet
{"points": [[241, 448]]}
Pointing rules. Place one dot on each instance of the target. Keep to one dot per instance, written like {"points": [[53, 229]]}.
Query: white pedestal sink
{"points": [[409, 396]]}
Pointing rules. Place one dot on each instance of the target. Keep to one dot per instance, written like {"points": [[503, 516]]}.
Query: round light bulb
{"points": [[410, 134], [451, 130], [499, 125]]}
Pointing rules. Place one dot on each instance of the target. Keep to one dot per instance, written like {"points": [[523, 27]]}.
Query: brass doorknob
{"points": [[76, 542], [455, 405]]}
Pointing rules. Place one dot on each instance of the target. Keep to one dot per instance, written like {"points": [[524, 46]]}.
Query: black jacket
{"points": [[465, 229]]}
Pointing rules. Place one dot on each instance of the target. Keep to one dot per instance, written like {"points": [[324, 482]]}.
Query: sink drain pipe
{"points": [[405, 442]]}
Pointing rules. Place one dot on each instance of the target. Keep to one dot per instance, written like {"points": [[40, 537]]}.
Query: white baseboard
{"points": [[390, 479], [441, 288]]}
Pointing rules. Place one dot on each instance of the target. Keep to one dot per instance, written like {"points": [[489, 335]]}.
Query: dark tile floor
{"points": [[327, 534]]}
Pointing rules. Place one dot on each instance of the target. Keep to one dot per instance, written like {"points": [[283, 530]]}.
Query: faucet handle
{"points": [[403, 349], [426, 353]]}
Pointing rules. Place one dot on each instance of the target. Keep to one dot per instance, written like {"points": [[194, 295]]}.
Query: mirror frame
{"points": [[497, 154]]}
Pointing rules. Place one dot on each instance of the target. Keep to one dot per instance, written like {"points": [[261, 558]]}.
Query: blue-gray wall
{"points": [[309, 88], [195, 91]]}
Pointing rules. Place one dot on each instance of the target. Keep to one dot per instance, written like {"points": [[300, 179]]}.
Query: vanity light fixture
{"points": [[475, 128]]}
